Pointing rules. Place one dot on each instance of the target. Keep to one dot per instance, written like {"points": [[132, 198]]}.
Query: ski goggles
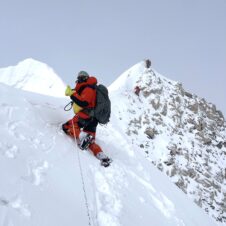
{"points": [[81, 78]]}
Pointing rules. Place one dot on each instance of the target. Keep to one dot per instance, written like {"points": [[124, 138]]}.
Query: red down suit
{"points": [[85, 97]]}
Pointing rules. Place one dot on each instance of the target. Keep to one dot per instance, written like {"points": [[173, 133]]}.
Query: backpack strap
{"points": [[88, 111]]}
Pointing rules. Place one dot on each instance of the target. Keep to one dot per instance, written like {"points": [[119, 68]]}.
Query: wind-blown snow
{"points": [[34, 76], [41, 181]]}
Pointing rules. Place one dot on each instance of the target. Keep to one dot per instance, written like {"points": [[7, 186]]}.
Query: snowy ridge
{"points": [[129, 78], [34, 76], [180, 133], [41, 183]]}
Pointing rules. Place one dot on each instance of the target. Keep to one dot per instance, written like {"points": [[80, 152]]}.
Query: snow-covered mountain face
{"points": [[41, 182], [180, 133], [34, 76]]}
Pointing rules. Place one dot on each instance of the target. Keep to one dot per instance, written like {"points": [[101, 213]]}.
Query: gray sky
{"points": [[185, 40]]}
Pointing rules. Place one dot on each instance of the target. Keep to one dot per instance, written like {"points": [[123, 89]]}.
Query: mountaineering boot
{"points": [[85, 140], [104, 160]]}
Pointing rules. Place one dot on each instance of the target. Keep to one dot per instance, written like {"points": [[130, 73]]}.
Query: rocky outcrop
{"points": [[184, 136], [151, 132]]}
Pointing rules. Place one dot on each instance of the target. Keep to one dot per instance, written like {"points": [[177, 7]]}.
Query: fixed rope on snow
{"points": [[82, 178]]}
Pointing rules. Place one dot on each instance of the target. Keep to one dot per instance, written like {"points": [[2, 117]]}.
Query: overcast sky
{"points": [[185, 39]]}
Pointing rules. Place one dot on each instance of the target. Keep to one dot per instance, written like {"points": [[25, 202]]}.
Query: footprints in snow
{"points": [[14, 129], [37, 172], [21, 207], [24, 132], [9, 151], [10, 147], [24, 141], [17, 204], [38, 141], [6, 110], [108, 198]]}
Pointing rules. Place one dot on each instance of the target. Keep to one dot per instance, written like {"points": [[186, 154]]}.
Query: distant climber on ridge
{"points": [[137, 90], [83, 125]]}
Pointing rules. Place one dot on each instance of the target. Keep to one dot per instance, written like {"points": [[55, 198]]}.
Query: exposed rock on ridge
{"points": [[180, 133]]}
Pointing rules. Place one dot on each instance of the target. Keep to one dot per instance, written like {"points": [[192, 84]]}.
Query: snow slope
{"points": [[34, 76], [181, 134], [40, 180]]}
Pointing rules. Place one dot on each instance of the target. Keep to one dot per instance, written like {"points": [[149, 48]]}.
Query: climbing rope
{"points": [[82, 178]]}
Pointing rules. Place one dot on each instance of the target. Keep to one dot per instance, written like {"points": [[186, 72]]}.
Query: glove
{"points": [[76, 108], [68, 91]]}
